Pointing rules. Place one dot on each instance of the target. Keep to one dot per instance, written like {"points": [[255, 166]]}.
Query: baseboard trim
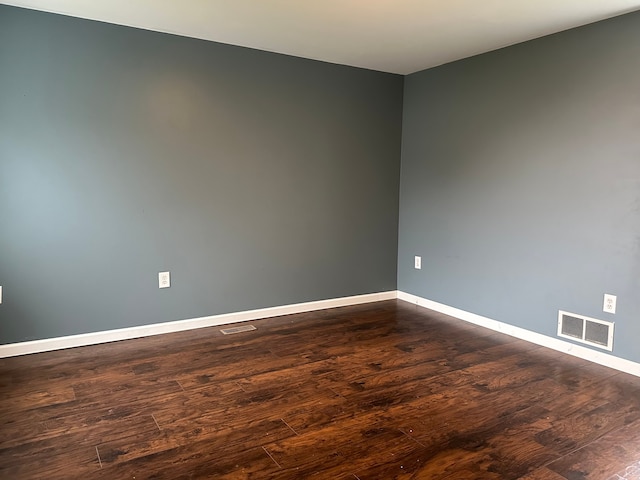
{"points": [[579, 351], [85, 339]]}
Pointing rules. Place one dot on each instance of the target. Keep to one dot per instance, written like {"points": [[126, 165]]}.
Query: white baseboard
{"points": [[594, 356], [58, 343]]}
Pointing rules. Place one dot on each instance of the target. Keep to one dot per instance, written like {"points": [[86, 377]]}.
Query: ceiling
{"points": [[398, 36]]}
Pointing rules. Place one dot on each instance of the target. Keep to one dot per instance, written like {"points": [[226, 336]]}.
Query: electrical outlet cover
{"points": [[164, 280], [609, 305]]}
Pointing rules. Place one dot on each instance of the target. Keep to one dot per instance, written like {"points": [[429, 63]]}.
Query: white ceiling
{"points": [[399, 36]]}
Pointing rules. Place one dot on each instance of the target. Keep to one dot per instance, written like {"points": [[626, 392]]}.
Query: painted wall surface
{"points": [[257, 179], [520, 181]]}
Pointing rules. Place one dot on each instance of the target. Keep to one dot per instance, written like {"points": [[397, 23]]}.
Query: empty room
{"points": [[331, 240]]}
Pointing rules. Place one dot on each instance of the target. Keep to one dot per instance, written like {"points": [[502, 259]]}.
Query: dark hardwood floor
{"points": [[379, 391]]}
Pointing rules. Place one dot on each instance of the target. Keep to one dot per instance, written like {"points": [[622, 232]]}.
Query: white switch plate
{"points": [[164, 280], [417, 263], [609, 305], [0, 293]]}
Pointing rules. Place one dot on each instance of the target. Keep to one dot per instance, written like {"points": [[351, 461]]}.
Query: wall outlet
{"points": [[164, 280], [417, 262], [609, 305]]}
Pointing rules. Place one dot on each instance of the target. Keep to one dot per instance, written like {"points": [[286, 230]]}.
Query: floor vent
{"points": [[585, 330], [240, 329]]}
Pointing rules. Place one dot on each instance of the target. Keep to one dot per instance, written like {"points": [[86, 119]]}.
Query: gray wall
{"points": [[257, 179], [520, 183], [260, 179]]}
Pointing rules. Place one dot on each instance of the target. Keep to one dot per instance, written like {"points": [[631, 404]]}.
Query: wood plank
{"points": [[615, 454]]}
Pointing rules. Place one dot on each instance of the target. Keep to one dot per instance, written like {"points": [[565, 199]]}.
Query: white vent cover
{"points": [[585, 330], [240, 329]]}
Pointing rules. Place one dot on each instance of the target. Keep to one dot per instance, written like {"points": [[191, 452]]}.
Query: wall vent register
{"points": [[591, 331]]}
